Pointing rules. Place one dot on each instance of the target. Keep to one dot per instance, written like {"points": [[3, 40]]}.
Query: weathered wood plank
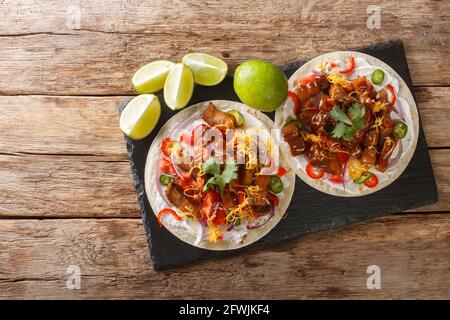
{"points": [[45, 54], [86, 186], [434, 107], [62, 125], [411, 251], [72, 186], [89, 125]]}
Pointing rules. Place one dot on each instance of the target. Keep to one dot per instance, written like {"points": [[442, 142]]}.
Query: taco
{"points": [[213, 176], [350, 126]]}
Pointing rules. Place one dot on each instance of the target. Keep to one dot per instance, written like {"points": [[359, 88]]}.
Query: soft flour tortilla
{"points": [[403, 92], [157, 203]]}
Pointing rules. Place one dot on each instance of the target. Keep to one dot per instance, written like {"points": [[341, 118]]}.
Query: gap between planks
{"points": [[127, 95]]}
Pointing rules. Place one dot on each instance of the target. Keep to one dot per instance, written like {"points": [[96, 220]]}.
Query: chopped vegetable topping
{"points": [[168, 211], [276, 185], [165, 179], [212, 166], [282, 171], [378, 106], [313, 172], [294, 98], [363, 178], [372, 182], [390, 88], [400, 130], [238, 117], [350, 66], [378, 76], [347, 127], [335, 78]]}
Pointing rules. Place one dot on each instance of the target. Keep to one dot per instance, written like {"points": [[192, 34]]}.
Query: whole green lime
{"points": [[260, 85]]}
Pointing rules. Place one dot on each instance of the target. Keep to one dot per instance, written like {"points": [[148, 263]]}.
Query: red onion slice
{"points": [[181, 173], [159, 186], [261, 220], [199, 237], [400, 112], [343, 174], [394, 161]]}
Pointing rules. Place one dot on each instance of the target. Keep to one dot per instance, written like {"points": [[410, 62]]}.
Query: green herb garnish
{"points": [[220, 179], [347, 126]]}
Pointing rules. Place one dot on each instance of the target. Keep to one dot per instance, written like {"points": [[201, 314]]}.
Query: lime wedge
{"points": [[207, 70], [178, 87], [150, 78], [140, 116]]}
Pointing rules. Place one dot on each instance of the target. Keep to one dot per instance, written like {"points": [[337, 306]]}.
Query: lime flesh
{"points": [[178, 87], [140, 116], [207, 70], [150, 78]]}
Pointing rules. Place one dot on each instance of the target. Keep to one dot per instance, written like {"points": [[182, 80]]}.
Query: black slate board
{"points": [[310, 210]]}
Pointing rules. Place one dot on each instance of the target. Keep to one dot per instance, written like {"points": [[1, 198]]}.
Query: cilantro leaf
{"points": [[359, 124], [346, 128], [340, 130], [229, 173], [212, 181], [356, 112], [350, 134], [211, 166], [340, 115]]}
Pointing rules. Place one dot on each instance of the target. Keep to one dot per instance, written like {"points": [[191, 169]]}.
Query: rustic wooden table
{"points": [[66, 192]]}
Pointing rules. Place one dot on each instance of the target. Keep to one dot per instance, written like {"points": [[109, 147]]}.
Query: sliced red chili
{"points": [[336, 178], [168, 211], [241, 197], [303, 81], [390, 88], [281, 171], [372, 181], [314, 172], [274, 199], [166, 146], [343, 157], [297, 105], [350, 66], [166, 166], [221, 217]]}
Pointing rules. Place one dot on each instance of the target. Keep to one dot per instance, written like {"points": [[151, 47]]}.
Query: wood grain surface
{"points": [[68, 200], [412, 252], [50, 55]]}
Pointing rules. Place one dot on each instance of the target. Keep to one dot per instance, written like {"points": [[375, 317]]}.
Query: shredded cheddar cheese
{"points": [[378, 106], [378, 122], [214, 234], [311, 137], [241, 211], [335, 78]]}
